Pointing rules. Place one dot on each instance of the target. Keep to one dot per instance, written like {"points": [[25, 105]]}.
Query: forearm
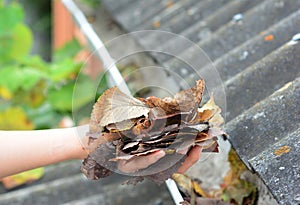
{"points": [[24, 150]]}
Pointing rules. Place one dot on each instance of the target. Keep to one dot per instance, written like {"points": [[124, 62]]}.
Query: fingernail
{"points": [[160, 154]]}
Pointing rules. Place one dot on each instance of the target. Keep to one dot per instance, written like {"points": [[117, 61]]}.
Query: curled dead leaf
{"points": [[122, 128], [115, 106]]}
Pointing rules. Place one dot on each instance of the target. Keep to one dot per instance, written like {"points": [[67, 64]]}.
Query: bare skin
{"points": [[24, 150]]}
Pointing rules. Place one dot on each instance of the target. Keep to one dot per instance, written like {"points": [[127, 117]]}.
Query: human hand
{"points": [[142, 162], [89, 142], [192, 157]]}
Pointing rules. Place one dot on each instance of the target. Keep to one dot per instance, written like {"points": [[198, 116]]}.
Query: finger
{"points": [[192, 158], [140, 162]]}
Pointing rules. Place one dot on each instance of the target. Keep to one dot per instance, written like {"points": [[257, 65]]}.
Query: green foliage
{"points": [[33, 93], [14, 118], [91, 3], [23, 78], [15, 37], [67, 51], [82, 97]]}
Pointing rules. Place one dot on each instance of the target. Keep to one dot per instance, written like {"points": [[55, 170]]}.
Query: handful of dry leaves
{"points": [[123, 128]]}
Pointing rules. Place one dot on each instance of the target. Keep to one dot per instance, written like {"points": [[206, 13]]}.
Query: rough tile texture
{"points": [[258, 63], [249, 44]]}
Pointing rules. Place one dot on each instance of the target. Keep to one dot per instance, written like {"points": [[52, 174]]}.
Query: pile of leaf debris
{"points": [[123, 128], [237, 188]]}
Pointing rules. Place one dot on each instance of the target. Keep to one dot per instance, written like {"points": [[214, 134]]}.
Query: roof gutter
{"points": [[109, 65]]}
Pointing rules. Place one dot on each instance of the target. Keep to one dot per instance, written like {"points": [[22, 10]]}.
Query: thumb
{"points": [[140, 162]]}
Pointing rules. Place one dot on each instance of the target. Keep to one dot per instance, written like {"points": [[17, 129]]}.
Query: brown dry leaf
{"points": [[93, 170], [194, 193], [234, 188], [185, 185], [115, 106], [204, 116], [214, 147], [215, 118], [238, 191], [192, 190], [198, 189], [208, 201], [131, 156], [183, 101], [122, 128]]}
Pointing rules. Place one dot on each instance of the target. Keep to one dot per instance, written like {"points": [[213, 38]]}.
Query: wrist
{"points": [[80, 141]]}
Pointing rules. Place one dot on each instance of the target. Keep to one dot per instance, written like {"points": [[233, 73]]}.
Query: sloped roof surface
{"points": [[250, 44], [258, 62]]}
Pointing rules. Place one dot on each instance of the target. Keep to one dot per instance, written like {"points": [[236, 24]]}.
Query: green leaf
{"points": [[64, 70], [15, 38], [31, 98], [83, 92], [6, 43], [92, 3], [22, 42], [14, 78], [35, 62], [29, 78], [63, 100], [69, 50], [10, 16]]}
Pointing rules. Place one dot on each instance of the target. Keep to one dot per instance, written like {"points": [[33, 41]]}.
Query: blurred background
{"points": [[253, 45], [41, 54]]}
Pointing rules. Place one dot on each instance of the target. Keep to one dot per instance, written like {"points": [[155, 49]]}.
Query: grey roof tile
{"points": [[239, 58], [261, 79], [140, 11], [281, 169], [204, 28], [114, 6], [232, 34], [264, 114], [266, 123], [180, 22], [254, 21], [168, 14], [54, 192], [189, 16], [214, 21], [256, 48], [262, 88], [76, 187]]}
